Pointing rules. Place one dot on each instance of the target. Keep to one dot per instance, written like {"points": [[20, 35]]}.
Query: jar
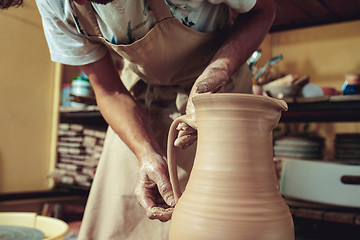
{"points": [[65, 94], [81, 87], [351, 84]]}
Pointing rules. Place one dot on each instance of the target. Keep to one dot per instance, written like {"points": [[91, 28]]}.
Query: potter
{"points": [[232, 192]]}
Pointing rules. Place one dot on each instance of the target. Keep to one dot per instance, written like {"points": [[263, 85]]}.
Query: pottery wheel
{"points": [[9, 232]]}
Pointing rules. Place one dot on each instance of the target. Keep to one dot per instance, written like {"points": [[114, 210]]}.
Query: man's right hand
{"points": [[153, 189], [131, 124]]}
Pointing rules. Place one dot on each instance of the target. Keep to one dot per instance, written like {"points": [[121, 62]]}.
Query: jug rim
{"points": [[279, 102]]}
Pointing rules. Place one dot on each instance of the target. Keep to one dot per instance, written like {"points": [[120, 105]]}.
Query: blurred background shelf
{"points": [[322, 109], [328, 109], [82, 115]]}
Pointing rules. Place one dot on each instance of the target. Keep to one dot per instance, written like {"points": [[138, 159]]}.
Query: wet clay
{"points": [[232, 192], [162, 214]]}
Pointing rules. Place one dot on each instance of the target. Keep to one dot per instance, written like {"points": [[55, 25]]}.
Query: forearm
{"points": [[129, 121], [120, 109], [245, 36]]}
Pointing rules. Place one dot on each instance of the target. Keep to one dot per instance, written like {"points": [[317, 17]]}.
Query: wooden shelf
{"points": [[51, 195], [323, 109], [324, 212], [82, 115]]}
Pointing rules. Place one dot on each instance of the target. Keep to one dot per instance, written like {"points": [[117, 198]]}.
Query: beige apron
{"points": [[163, 65]]}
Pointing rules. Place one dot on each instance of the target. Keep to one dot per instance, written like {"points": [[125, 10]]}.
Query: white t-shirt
{"points": [[123, 22]]}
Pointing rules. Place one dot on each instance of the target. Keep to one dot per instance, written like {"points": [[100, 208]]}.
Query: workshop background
{"points": [[49, 121]]}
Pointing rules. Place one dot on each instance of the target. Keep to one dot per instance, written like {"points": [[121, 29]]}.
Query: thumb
{"points": [[213, 82], [165, 189], [209, 86]]}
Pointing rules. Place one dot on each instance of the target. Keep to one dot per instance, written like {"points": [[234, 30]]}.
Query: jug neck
{"points": [[227, 108]]}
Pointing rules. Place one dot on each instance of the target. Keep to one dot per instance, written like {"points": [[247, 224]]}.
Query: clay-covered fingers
{"points": [[161, 179], [210, 85], [213, 81], [186, 136], [154, 205], [153, 190], [162, 214]]}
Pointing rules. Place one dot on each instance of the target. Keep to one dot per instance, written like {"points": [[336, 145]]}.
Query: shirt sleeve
{"points": [[241, 6], [65, 44]]}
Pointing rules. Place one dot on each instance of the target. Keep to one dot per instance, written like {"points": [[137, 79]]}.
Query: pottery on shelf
{"points": [[232, 193]]}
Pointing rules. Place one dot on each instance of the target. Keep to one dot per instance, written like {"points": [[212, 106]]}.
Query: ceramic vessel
{"points": [[232, 193]]}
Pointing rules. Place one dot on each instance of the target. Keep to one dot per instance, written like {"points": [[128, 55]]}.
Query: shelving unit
{"points": [[325, 221], [87, 116], [323, 109], [314, 219], [80, 143]]}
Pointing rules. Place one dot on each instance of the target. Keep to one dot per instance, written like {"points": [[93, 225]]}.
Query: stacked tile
{"points": [[347, 148], [79, 150], [299, 147]]}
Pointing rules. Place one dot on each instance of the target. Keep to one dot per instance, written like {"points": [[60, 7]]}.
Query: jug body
{"points": [[232, 191]]}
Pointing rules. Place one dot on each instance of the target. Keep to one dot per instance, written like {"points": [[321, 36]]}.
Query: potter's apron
{"points": [[159, 70]]}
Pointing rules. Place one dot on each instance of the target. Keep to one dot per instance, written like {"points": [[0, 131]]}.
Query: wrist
{"points": [[148, 153]]}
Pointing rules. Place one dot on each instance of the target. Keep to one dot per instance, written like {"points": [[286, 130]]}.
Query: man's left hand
{"points": [[210, 81]]}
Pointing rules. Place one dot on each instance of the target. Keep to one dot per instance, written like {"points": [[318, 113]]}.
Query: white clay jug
{"points": [[232, 192]]}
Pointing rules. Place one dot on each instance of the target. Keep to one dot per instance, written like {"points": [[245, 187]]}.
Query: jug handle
{"points": [[172, 164]]}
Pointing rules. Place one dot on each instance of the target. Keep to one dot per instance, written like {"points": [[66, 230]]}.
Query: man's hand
{"points": [[233, 53], [133, 127], [212, 80], [153, 189]]}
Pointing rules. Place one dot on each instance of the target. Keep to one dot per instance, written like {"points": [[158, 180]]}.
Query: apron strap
{"points": [[160, 9], [86, 19]]}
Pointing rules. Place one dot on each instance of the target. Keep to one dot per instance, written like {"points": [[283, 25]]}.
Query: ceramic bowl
{"points": [[281, 91]]}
